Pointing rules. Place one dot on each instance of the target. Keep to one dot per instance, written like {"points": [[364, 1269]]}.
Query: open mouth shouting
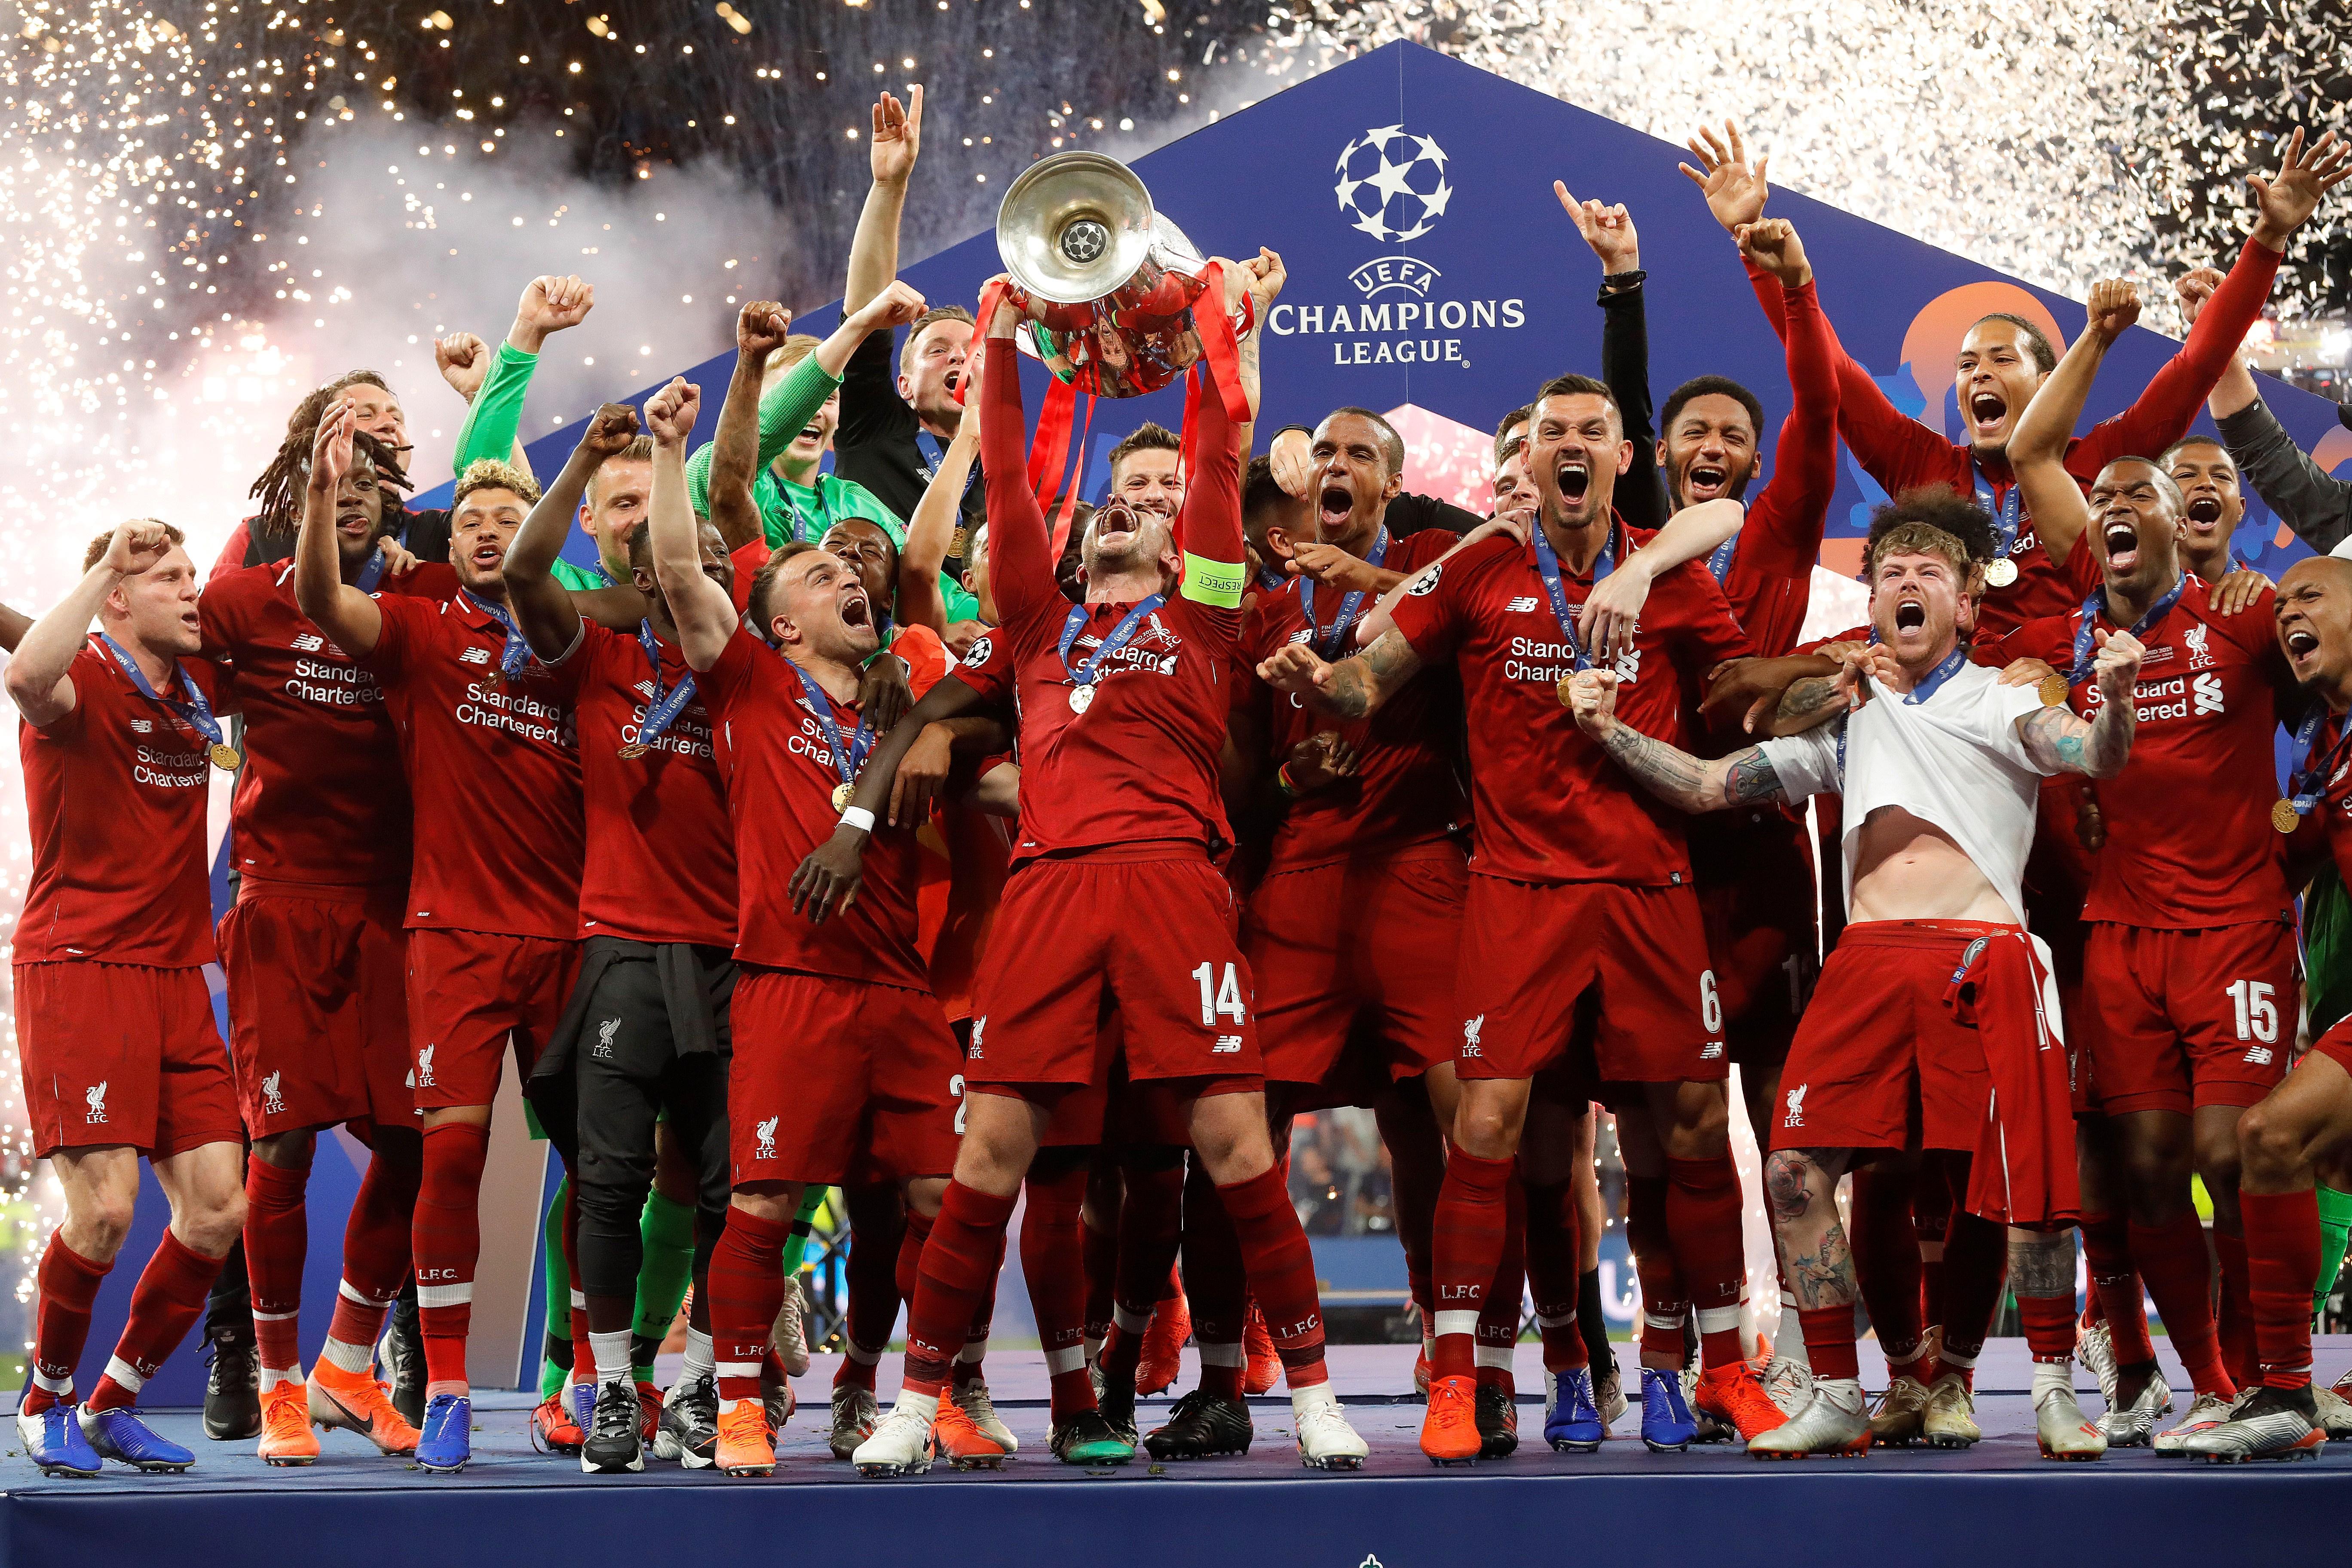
{"points": [[2120, 532], [2204, 512], [1910, 615], [1574, 477], [1705, 482], [1334, 507], [488, 557], [855, 611], [1987, 411]]}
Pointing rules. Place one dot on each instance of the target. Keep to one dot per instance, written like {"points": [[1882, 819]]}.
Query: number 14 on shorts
{"points": [[1221, 998]]}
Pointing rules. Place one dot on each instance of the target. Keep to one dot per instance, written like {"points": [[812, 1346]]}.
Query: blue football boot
{"points": [[1572, 1420], [1667, 1424], [53, 1440], [446, 1441], [123, 1436]]}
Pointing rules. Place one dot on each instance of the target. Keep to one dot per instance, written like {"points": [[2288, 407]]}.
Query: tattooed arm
{"points": [[1351, 688], [1674, 776], [2056, 742]]}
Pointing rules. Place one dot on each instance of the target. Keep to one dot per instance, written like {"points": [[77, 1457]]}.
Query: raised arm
{"points": [[542, 609], [2038, 446], [1020, 551], [932, 530], [897, 140], [1674, 775], [1791, 516], [548, 306], [2060, 742], [1606, 620], [704, 611], [345, 613], [38, 677], [1353, 688], [1624, 348], [722, 490]]}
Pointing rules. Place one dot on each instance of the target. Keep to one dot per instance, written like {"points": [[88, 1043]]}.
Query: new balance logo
{"points": [[272, 1102], [604, 1033], [2207, 692], [424, 1068], [308, 642], [95, 1097], [644, 688], [474, 655], [766, 1133], [1520, 605], [1796, 1116], [2259, 1056], [1302, 633], [1714, 1051], [1226, 1045], [143, 726]]}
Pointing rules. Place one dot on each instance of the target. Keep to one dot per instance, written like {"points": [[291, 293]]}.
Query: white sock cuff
{"points": [[860, 1355], [1456, 1323], [1716, 1320], [1564, 1320], [1223, 1354], [446, 1295], [1494, 1356], [261, 1316], [579, 1300], [1129, 1322], [1957, 1359], [124, 1373], [59, 1386], [739, 1369], [1662, 1321], [344, 1288], [973, 1350], [1070, 1358], [347, 1356]]}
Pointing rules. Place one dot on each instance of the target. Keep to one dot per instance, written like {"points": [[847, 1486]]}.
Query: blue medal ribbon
{"points": [[517, 653], [1933, 681], [934, 455], [196, 711], [1087, 674], [2306, 784], [372, 573], [2008, 514], [846, 759], [667, 705], [2080, 668], [1350, 606], [1548, 568], [800, 517], [1718, 565]]}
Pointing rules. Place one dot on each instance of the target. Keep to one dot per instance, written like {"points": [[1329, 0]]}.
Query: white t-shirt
{"points": [[1955, 761]]}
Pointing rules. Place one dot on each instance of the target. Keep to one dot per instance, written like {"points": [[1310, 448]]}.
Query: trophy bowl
{"points": [[1107, 283]]}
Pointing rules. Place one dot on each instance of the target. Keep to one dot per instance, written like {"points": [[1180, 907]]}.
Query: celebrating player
{"points": [[114, 1024]]}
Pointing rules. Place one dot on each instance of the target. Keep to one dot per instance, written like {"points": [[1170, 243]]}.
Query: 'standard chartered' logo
{"points": [[1392, 184]]}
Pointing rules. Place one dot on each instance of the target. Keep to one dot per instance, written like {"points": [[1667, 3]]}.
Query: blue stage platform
{"points": [[1998, 1504]]}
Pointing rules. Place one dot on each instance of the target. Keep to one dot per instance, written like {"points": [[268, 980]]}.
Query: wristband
{"points": [[860, 818], [1281, 782], [1616, 283]]}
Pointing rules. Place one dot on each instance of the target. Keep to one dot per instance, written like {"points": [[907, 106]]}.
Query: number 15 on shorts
{"points": [[2257, 1013], [1220, 997]]}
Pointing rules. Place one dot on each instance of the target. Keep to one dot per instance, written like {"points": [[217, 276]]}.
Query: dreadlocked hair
{"points": [[279, 488]]}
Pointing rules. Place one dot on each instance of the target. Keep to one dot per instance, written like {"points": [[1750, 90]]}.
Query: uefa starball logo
{"points": [[1393, 183]]}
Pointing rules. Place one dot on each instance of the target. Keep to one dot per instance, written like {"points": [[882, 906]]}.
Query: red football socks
{"points": [[1216, 1285], [1051, 1264], [1498, 1310], [1976, 1266], [1887, 1266], [2173, 1260], [1150, 1226], [1098, 1255], [2108, 1249], [1646, 1236], [2235, 1320], [1828, 1333], [959, 1263], [2281, 1251], [277, 1236], [1710, 1254], [1281, 1273], [1552, 1277], [445, 1239], [65, 1289], [1473, 1215], [165, 1305], [747, 1290], [376, 1243], [909, 1264]]}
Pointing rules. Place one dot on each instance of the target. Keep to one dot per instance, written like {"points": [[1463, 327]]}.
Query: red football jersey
{"points": [[321, 799], [780, 773], [660, 862], [494, 770], [1407, 787], [2189, 841], [1549, 805], [115, 794], [748, 559]]}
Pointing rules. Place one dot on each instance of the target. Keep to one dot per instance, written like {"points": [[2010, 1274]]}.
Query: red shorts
{"points": [[1879, 1062], [318, 1005], [468, 991], [121, 1053], [836, 1081], [1761, 936], [1350, 962], [1531, 952], [1117, 1112], [1152, 939], [2185, 1019]]}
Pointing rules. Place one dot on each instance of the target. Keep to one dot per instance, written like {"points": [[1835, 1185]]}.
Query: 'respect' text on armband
{"points": [[1217, 583]]}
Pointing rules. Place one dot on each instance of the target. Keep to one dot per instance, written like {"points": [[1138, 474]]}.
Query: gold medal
{"points": [[633, 750], [2283, 816], [224, 757], [841, 793], [2052, 690], [2000, 571], [1567, 683]]}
